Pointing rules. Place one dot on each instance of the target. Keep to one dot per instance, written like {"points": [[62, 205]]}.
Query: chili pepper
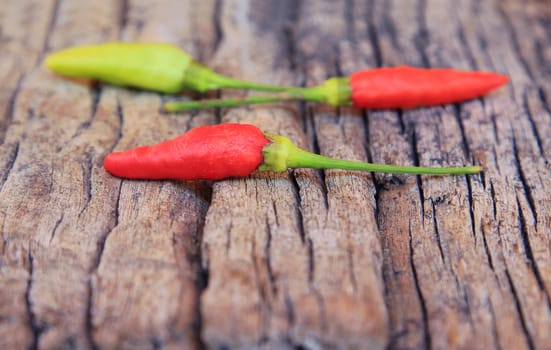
{"points": [[381, 88], [235, 150], [151, 66]]}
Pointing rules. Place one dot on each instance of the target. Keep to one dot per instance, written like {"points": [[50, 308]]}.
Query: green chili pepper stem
{"points": [[335, 91], [282, 154], [201, 78]]}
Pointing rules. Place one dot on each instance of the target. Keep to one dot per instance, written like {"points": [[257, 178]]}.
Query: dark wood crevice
{"points": [[94, 270], [9, 165], [50, 29], [534, 128], [518, 307], [299, 218], [10, 110], [524, 181], [419, 292], [216, 20], [36, 328], [514, 40], [529, 251]]}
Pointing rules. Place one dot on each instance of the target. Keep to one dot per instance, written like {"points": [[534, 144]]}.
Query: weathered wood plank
{"points": [[253, 244], [49, 185], [346, 249], [25, 30], [77, 145], [150, 258], [306, 258]]}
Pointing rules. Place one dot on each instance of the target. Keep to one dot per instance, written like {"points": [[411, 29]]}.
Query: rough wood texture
{"points": [[307, 258]]}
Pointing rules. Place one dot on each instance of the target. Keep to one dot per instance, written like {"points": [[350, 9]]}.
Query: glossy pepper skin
{"points": [[399, 87], [409, 87], [207, 152], [157, 67], [233, 150], [150, 66]]}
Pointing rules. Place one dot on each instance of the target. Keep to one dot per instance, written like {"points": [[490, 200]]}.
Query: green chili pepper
{"points": [[150, 66]]}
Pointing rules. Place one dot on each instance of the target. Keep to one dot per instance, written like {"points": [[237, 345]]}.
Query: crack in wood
{"points": [[36, 328], [274, 208], [422, 301], [51, 181], [493, 119], [264, 307], [377, 186], [412, 138], [89, 325], [351, 273], [528, 251], [268, 260], [464, 142], [217, 22], [349, 21], [9, 165], [56, 227], [87, 167], [509, 28], [298, 211], [467, 309], [288, 34], [123, 13], [50, 29], [437, 232], [495, 335], [520, 311], [194, 257], [372, 34], [10, 110], [470, 202], [367, 133], [228, 237], [316, 149], [289, 310], [95, 93], [524, 181], [421, 39], [543, 97], [464, 44], [322, 314], [156, 343], [494, 198], [119, 133], [532, 123], [387, 25], [489, 258]]}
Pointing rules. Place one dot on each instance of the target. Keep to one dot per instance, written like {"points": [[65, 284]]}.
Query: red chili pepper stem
{"points": [[223, 151], [334, 91], [381, 88], [282, 154]]}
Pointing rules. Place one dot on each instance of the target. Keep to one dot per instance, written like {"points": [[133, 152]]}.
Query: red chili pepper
{"points": [[408, 87], [235, 150], [381, 88], [208, 152]]}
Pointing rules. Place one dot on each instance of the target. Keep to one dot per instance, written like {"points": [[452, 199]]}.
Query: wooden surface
{"points": [[304, 259]]}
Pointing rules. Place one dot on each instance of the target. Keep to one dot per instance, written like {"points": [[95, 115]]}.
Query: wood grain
{"points": [[303, 259]]}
